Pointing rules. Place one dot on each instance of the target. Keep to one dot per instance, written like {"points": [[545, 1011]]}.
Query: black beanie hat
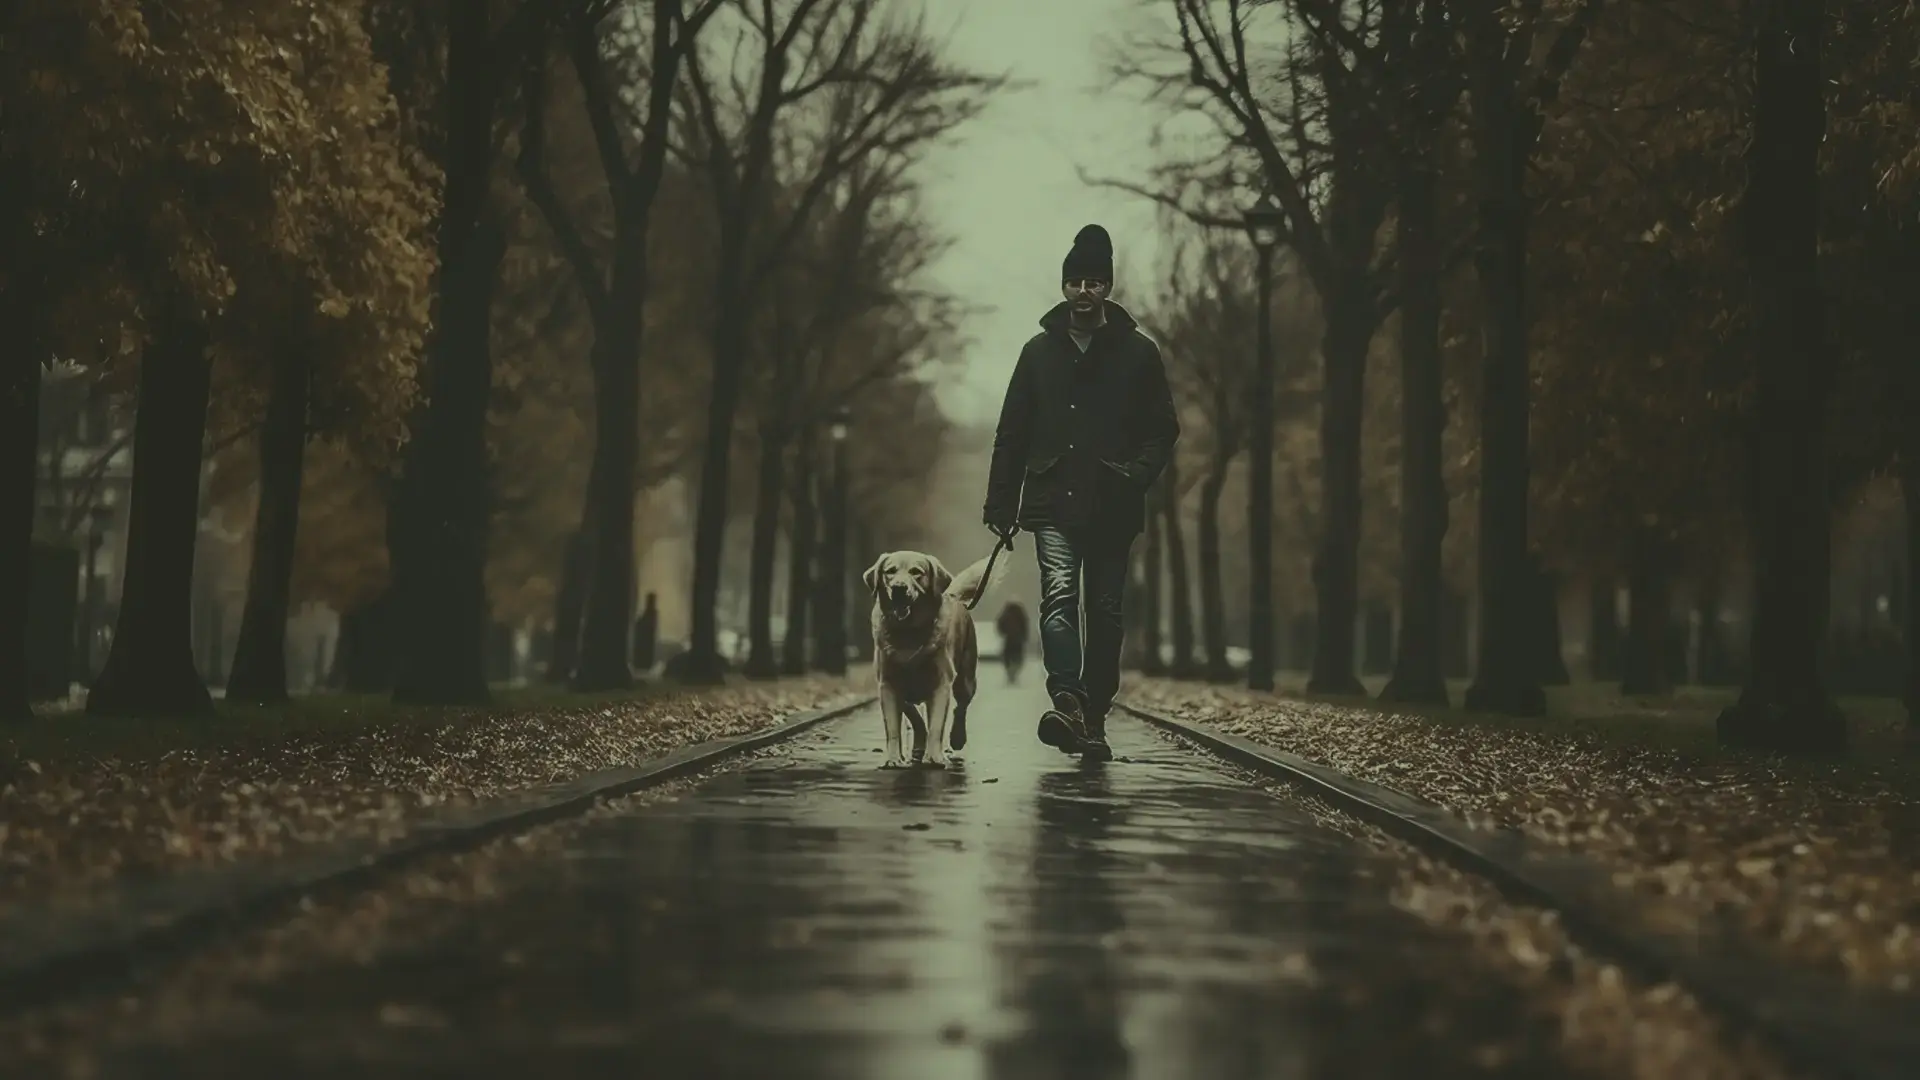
{"points": [[1091, 257]]}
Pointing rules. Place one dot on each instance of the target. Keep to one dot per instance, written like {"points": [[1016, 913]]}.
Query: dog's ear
{"points": [[941, 577], [872, 576]]}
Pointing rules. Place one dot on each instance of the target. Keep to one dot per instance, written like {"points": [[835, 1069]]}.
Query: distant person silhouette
{"points": [[646, 631], [1012, 625]]}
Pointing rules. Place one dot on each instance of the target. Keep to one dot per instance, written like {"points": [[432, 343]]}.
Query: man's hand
{"points": [[1124, 472], [1004, 531]]}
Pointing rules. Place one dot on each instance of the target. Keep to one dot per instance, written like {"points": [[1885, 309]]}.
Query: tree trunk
{"points": [[702, 663], [1785, 704], [1151, 662], [438, 530], [20, 357], [215, 671], [761, 662], [363, 652], [1336, 565], [1417, 675], [1213, 616], [1183, 666], [793, 647], [20, 415], [1133, 639], [862, 641], [569, 602], [830, 606], [1603, 631], [1714, 665], [1549, 664], [149, 670], [1643, 670], [260, 657], [441, 556], [605, 640], [1261, 628], [1910, 610], [823, 602], [1506, 681]]}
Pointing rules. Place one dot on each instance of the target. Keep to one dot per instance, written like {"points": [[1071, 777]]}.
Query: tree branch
{"points": [[1230, 86], [1554, 66], [583, 47], [1323, 19], [1198, 217], [538, 183]]}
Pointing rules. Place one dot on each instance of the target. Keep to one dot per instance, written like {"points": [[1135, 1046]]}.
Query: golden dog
{"points": [[924, 651]]}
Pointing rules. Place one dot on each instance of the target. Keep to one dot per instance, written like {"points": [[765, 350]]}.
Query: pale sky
{"points": [[1008, 192]]}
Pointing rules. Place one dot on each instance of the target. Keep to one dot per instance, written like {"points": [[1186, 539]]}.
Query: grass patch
{"points": [[65, 733], [1681, 723]]}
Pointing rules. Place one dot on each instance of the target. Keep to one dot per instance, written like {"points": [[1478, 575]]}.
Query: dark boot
{"points": [[1094, 747], [1064, 727]]}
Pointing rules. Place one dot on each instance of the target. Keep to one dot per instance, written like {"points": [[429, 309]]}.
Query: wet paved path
{"points": [[814, 917]]}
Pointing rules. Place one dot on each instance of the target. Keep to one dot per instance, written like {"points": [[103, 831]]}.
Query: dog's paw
{"points": [[894, 762], [937, 760]]}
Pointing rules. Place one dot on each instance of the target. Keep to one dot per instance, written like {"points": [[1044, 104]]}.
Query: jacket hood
{"points": [[1060, 315]]}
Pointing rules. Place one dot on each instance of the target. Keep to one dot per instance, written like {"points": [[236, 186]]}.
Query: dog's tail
{"points": [[971, 584]]}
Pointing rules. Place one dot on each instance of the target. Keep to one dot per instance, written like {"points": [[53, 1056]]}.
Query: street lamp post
{"points": [[833, 591], [1264, 223]]}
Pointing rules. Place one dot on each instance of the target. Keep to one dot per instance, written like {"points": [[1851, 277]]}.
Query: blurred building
{"points": [[81, 497]]}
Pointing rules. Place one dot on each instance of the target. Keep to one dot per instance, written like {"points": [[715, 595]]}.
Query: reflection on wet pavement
{"points": [[814, 917]]}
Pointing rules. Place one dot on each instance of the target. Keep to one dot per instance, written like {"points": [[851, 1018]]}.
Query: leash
{"points": [[1005, 544]]}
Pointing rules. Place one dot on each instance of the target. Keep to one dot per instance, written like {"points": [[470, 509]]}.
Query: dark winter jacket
{"points": [[1082, 436]]}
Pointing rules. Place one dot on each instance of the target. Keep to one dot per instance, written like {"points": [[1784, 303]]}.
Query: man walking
{"points": [[1087, 426]]}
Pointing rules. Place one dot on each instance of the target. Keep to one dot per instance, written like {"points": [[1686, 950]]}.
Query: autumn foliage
{"points": [[254, 201]]}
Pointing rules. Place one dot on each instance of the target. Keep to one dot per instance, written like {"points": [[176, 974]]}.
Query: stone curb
{"points": [[1820, 1022], [45, 955]]}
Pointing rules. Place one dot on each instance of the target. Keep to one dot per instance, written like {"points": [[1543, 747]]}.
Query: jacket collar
{"points": [[1060, 316]]}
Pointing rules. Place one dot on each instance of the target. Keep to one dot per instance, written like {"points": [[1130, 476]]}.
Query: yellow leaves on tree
{"points": [[1640, 286], [1637, 288], [237, 161]]}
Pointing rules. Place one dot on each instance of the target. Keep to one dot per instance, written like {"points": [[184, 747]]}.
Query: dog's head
{"points": [[903, 581]]}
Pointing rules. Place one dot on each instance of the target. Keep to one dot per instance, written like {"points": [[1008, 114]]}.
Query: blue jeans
{"points": [[1064, 561]]}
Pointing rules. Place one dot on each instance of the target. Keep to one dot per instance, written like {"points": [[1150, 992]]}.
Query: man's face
{"points": [[1084, 294]]}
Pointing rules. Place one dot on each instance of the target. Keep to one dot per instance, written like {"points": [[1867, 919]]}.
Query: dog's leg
{"points": [[919, 730], [937, 709], [890, 716]]}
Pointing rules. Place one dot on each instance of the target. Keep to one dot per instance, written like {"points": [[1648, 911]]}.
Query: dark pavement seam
{"points": [[47, 956], [1820, 1022]]}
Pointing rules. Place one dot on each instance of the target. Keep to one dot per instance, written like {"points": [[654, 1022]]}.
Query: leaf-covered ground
{"points": [[1611, 1022], [87, 803], [1821, 860]]}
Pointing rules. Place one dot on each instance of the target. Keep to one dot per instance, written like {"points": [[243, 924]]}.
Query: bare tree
{"points": [[855, 263], [1207, 330], [1301, 112], [1417, 74], [615, 288], [863, 84]]}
